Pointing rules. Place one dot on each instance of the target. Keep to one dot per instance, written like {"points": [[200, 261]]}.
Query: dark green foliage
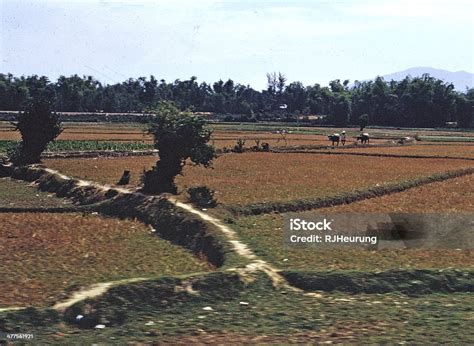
{"points": [[239, 145], [82, 145], [202, 196], [465, 109], [179, 136], [405, 281], [38, 126], [27, 320], [412, 102], [113, 308], [363, 121]]}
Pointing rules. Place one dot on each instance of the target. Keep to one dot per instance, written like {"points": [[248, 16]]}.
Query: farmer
{"points": [[343, 138]]}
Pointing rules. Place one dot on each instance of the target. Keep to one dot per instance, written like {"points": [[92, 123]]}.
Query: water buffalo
{"points": [[334, 138], [363, 138]]}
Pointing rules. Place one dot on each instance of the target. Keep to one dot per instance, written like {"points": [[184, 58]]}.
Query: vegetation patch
{"points": [[404, 281], [173, 224], [83, 145], [202, 196], [18, 194], [152, 295]]}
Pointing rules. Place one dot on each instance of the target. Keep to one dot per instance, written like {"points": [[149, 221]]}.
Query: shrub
{"points": [[179, 136], [38, 126], [239, 145], [202, 196]]}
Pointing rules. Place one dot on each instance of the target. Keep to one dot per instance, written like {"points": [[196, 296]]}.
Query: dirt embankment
{"points": [[170, 222]]}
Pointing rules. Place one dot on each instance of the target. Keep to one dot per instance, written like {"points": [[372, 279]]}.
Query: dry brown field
{"points": [[452, 196], [452, 150], [262, 177]]}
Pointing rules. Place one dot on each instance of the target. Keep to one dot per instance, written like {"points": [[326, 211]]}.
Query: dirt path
{"points": [[239, 247], [91, 292]]}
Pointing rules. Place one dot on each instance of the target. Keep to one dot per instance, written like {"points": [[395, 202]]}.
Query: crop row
{"points": [[84, 145]]}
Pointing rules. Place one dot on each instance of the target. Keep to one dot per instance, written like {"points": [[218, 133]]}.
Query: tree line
{"points": [[412, 102]]}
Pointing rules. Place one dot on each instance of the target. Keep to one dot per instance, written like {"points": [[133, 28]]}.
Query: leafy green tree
{"points": [[465, 109], [418, 102], [363, 121], [341, 109], [38, 126], [295, 97], [179, 137]]}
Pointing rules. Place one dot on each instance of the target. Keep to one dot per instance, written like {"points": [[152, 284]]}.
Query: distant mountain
{"points": [[460, 79]]}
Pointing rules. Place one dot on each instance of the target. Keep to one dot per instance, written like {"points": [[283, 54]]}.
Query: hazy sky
{"points": [[309, 41]]}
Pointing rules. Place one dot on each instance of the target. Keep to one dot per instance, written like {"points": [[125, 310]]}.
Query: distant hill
{"points": [[460, 79]]}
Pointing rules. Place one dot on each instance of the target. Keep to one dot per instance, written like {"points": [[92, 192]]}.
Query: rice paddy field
{"points": [[264, 177], [225, 135], [452, 196], [451, 150], [43, 255], [265, 235], [18, 194]]}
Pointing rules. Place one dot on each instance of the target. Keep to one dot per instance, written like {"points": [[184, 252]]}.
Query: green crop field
{"points": [[18, 194]]}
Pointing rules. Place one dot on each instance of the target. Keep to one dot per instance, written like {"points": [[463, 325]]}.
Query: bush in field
{"points": [[202, 196], [38, 126], [178, 136], [239, 145]]}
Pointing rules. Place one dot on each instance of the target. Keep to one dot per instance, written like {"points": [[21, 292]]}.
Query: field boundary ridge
{"points": [[344, 198]]}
